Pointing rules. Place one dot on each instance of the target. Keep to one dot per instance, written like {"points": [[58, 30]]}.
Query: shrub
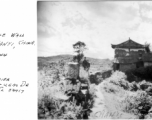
{"points": [[119, 78], [139, 74], [95, 78], [138, 103], [134, 86], [57, 109], [61, 98], [144, 85], [128, 99], [98, 77]]}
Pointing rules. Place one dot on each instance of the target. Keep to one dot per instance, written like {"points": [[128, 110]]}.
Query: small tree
{"points": [[79, 48]]}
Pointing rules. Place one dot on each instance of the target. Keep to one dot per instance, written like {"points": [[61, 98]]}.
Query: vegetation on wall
{"points": [[139, 74]]}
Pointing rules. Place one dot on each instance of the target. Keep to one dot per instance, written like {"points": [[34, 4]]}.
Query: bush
{"points": [[50, 108], [144, 85], [120, 79], [61, 98], [138, 103], [139, 74], [96, 78], [128, 99]]}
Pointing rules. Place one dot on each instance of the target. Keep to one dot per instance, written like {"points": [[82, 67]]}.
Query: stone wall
{"points": [[84, 75], [125, 67]]}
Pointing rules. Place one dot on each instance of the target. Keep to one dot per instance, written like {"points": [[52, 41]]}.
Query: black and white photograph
{"points": [[94, 59]]}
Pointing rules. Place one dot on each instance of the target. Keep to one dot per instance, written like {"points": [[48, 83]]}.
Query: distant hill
{"points": [[96, 64]]}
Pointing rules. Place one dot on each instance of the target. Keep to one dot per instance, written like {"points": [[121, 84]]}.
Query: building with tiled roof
{"points": [[129, 44], [130, 55]]}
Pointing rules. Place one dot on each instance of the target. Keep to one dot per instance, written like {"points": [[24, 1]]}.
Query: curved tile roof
{"points": [[128, 44]]}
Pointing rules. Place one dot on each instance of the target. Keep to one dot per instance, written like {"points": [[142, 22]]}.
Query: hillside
{"points": [[96, 64]]}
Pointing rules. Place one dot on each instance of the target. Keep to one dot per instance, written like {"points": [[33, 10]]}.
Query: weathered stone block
{"points": [[73, 70]]}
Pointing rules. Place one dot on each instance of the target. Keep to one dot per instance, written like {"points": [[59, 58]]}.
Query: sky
{"points": [[97, 24]]}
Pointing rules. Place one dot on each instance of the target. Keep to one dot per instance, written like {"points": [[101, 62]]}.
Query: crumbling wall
{"points": [[125, 67], [73, 70]]}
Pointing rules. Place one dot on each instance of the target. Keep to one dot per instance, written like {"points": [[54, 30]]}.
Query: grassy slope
{"points": [[96, 64]]}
